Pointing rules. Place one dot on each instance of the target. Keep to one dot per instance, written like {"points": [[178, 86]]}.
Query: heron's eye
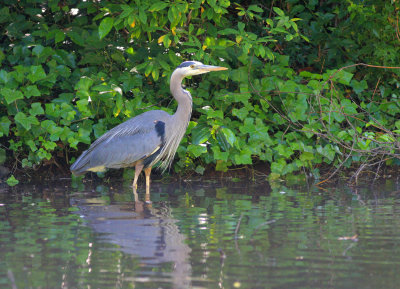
{"points": [[192, 66]]}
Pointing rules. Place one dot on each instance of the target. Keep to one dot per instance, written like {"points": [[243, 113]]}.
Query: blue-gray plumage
{"points": [[148, 138]]}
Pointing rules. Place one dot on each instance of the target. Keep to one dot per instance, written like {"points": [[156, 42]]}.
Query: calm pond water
{"points": [[203, 235]]}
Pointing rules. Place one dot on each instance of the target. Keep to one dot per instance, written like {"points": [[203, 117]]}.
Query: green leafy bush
{"points": [[71, 70]]}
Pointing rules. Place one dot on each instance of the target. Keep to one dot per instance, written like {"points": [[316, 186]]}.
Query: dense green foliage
{"points": [[70, 70]]}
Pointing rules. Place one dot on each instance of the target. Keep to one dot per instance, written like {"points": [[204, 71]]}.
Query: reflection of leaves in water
{"points": [[37, 238], [276, 229], [44, 247]]}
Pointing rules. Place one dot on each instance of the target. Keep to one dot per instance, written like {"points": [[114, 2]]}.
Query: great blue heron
{"points": [[148, 138]]}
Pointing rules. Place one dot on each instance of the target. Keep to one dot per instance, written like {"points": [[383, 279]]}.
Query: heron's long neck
{"points": [[176, 128], [183, 98]]}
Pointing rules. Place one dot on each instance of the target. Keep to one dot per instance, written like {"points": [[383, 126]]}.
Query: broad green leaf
{"points": [[197, 150], [11, 95], [32, 145], [126, 11], [59, 36], [118, 105], [4, 76], [118, 56], [240, 113], [36, 109], [37, 50], [84, 83], [99, 129], [240, 75], [214, 113], [84, 135], [26, 121], [4, 126], [278, 11], [222, 141], [218, 155], [46, 124], [158, 6], [255, 8], [244, 157], [342, 76], [391, 108], [31, 90], [327, 151], [310, 75], [278, 166], [166, 41], [26, 163], [149, 69], [229, 135], [228, 31], [364, 144], [36, 73], [359, 86], [200, 134], [349, 107], [142, 16], [105, 26], [284, 150], [248, 126], [306, 157], [49, 145], [241, 26], [82, 105], [299, 108], [385, 138]]}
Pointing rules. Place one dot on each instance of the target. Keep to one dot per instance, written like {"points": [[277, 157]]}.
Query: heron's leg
{"points": [[147, 172], [138, 169]]}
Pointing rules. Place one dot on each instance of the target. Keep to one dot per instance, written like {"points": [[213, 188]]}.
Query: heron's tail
{"points": [[80, 166]]}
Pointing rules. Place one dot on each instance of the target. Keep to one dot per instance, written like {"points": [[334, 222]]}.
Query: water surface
{"points": [[203, 235]]}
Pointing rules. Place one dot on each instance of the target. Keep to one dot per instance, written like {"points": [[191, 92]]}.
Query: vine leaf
{"points": [[105, 27]]}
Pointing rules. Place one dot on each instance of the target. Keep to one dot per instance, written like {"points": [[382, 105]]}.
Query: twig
{"points": [[338, 168], [377, 170], [12, 279], [238, 226], [397, 27], [376, 87], [261, 225]]}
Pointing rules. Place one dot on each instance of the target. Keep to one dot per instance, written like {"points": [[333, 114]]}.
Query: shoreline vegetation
{"points": [[312, 89]]}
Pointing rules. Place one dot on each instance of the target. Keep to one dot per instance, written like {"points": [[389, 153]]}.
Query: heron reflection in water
{"points": [[147, 139], [147, 233]]}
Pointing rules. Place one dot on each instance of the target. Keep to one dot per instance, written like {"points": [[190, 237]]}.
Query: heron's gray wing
{"points": [[125, 144]]}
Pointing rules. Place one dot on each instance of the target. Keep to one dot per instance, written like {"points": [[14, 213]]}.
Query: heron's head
{"points": [[188, 68]]}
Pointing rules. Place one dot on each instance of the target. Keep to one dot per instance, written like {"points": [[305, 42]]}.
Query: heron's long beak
{"points": [[207, 68]]}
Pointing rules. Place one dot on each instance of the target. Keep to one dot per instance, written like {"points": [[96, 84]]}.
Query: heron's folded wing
{"points": [[125, 144]]}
